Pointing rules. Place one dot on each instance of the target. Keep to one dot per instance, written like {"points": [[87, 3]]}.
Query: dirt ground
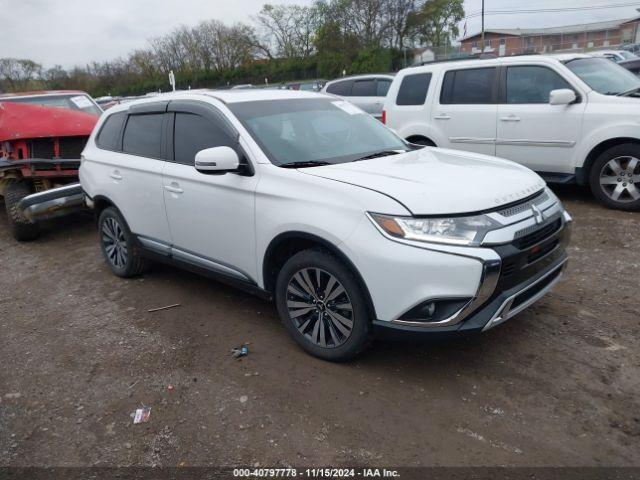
{"points": [[557, 385]]}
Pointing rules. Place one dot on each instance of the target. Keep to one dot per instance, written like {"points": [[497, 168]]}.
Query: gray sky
{"points": [[74, 32]]}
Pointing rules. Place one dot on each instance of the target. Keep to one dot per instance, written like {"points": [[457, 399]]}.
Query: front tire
{"points": [[21, 228], [322, 306], [118, 245], [615, 177]]}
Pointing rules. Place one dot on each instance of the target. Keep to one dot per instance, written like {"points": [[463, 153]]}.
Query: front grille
{"points": [[41, 148], [530, 236], [524, 206], [71, 147]]}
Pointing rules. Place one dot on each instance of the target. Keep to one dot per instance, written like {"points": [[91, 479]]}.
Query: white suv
{"points": [[307, 199], [572, 118]]}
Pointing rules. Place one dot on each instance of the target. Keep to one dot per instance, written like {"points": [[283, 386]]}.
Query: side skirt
{"points": [[166, 258]]}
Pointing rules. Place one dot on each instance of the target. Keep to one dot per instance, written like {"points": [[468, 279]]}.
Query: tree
{"points": [[437, 21], [18, 74], [402, 15], [287, 30]]}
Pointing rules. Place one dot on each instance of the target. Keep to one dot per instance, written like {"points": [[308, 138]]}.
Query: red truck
{"points": [[42, 135]]}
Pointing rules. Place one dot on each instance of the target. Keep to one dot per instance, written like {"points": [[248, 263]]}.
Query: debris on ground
{"points": [[141, 415], [170, 388], [241, 351], [163, 308]]}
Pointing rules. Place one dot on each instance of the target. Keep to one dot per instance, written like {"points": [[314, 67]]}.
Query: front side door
{"points": [[465, 113], [211, 216], [530, 130], [134, 172]]}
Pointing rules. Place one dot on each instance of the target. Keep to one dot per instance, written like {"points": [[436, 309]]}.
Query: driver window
{"points": [[193, 133], [532, 84]]}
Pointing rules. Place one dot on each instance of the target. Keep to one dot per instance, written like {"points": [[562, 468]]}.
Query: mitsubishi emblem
{"points": [[537, 215]]}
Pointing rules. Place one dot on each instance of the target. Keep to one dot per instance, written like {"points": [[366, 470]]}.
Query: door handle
{"points": [[116, 175], [442, 116], [173, 188], [510, 118]]}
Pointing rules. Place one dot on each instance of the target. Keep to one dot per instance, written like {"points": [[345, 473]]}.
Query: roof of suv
{"points": [[225, 96], [484, 62]]}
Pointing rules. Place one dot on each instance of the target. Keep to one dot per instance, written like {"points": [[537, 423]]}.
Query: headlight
{"points": [[468, 231]]}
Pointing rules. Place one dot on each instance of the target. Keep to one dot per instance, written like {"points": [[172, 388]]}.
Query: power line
{"points": [[552, 10]]}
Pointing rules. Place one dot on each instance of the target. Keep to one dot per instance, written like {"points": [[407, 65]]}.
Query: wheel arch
{"points": [[418, 138], [287, 244], [582, 176], [100, 203]]}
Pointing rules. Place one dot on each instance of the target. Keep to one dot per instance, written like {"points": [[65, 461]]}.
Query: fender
{"points": [[283, 237], [609, 132]]}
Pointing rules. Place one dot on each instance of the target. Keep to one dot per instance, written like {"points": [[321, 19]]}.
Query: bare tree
{"points": [[287, 30], [18, 73]]}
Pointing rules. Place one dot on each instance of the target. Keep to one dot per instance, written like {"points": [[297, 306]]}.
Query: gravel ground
{"points": [[557, 385]]}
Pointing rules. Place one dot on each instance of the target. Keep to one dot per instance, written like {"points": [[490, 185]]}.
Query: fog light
{"points": [[435, 310]]}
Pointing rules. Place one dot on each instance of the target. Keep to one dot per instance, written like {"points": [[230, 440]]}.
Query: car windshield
{"points": [[603, 75], [81, 103], [628, 55], [315, 131]]}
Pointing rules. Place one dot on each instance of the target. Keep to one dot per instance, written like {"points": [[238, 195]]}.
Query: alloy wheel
{"points": [[320, 307], [115, 243], [620, 179]]}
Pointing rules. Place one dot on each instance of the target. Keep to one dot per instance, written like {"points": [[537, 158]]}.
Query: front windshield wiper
{"points": [[628, 92], [382, 153], [305, 164]]}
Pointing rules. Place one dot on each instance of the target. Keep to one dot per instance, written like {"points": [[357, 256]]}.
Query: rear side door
{"points": [[211, 216], [131, 171], [465, 113], [530, 130]]}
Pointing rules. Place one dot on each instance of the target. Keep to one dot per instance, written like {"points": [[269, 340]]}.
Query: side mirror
{"points": [[563, 96], [217, 160]]}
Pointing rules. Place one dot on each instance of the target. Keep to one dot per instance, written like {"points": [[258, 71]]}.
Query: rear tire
{"points": [[323, 306], [614, 177], [118, 245], [21, 228]]}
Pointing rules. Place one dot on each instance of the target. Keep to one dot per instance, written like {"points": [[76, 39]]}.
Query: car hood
{"points": [[434, 181]]}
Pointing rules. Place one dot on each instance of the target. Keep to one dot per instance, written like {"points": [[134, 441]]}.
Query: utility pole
{"points": [[482, 42]]}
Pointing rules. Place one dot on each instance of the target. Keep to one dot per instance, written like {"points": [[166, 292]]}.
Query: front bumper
{"points": [[525, 276]]}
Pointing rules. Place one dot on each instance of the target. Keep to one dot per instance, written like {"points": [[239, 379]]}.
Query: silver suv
{"points": [[365, 91]]}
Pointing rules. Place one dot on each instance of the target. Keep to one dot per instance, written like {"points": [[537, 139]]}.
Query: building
{"points": [[502, 42]]}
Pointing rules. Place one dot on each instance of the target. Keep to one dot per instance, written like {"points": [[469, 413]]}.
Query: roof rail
{"points": [[478, 56]]}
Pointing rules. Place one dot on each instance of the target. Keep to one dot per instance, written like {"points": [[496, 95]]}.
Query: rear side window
{"points": [[532, 84], [193, 133], [468, 87], [340, 88], [413, 89], [109, 136], [143, 135], [364, 88], [383, 87]]}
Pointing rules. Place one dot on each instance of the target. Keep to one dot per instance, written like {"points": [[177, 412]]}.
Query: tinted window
{"points": [[532, 84], [340, 88], [467, 87], [383, 87], [143, 135], [413, 89], [193, 133], [364, 88], [109, 137]]}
